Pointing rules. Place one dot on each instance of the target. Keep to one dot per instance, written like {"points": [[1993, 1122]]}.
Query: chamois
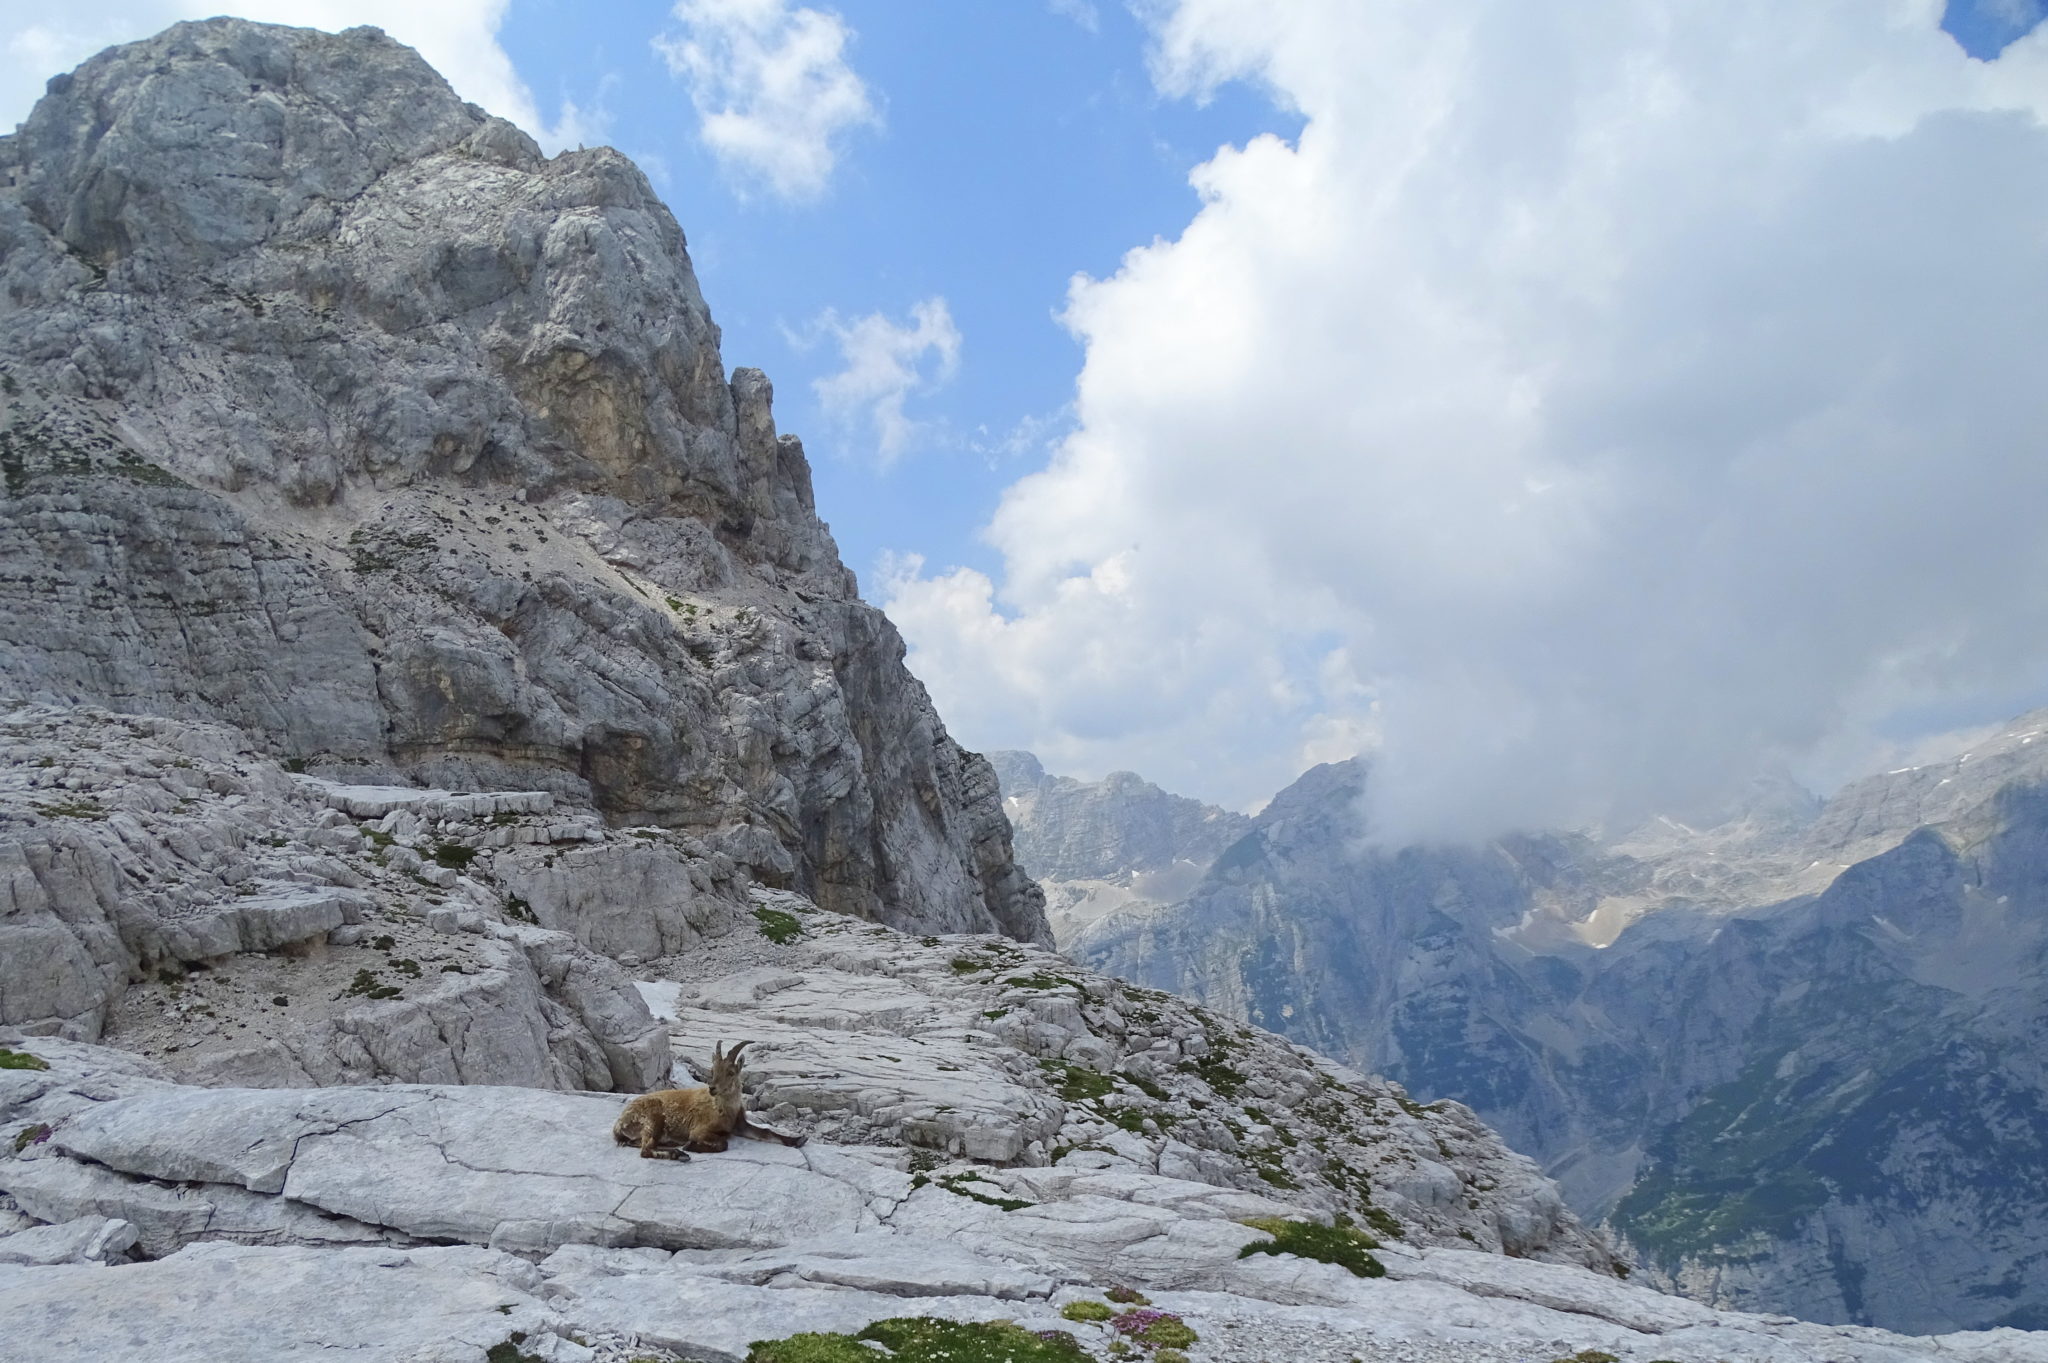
{"points": [[672, 1122]]}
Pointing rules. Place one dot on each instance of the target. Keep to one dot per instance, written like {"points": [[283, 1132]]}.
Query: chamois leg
{"points": [[651, 1144], [709, 1145]]}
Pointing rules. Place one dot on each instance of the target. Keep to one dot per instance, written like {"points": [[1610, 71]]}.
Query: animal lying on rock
{"points": [[672, 1122]]}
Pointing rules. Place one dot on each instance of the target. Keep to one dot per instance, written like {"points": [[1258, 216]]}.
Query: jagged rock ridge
{"points": [[1794, 1055], [1107, 846], [335, 412]]}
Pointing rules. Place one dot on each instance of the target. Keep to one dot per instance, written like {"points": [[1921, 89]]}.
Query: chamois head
{"points": [[725, 1075]]}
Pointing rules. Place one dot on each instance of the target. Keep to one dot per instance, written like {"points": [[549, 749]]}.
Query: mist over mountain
{"points": [[1793, 1058]]}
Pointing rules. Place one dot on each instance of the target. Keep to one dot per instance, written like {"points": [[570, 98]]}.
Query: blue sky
{"points": [[1018, 146]]}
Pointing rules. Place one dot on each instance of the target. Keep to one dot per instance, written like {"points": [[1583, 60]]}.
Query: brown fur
{"points": [[672, 1122]]}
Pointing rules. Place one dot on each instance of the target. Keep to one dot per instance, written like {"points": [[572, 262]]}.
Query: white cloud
{"points": [[457, 37], [1084, 13], [1596, 404], [772, 89], [884, 363], [2017, 13]]}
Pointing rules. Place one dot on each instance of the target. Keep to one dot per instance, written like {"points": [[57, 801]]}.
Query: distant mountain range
{"points": [[1795, 1059]]}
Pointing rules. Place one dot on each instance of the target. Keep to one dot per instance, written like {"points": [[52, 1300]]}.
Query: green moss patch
{"points": [[777, 926], [1346, 1246], [366, 985], [21, 1060], [73, 809], [1154, 1329], [957, 1185], [925, 1339], [1077, 1083], [453, 855], [1087, 1311]]}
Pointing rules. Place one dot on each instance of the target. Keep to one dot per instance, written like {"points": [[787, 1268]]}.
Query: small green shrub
{"points": [[1078, 1083], [1588, 1356], [73, 809], [515, 907], [1040, 980], [31, 1135], [365, 985], [510, 1352], [1346, 1246], [1154, 1329], [453, 855], [1148, 1088], [956, 1184], [1384, 1222], [777, 926], [1086, 1311], [925, 1339], [812, 1348], [1224, 1080], [21, 1060], [1127, 1296]]}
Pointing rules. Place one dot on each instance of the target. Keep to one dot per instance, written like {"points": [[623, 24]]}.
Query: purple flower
{"points": [[1137, 1322]]}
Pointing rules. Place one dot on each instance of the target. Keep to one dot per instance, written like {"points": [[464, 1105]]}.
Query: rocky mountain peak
{"points": [[333, 411]]}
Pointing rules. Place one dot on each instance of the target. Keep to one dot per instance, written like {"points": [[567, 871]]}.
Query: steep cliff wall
{"points": [[1114, 846], [335, 412]]}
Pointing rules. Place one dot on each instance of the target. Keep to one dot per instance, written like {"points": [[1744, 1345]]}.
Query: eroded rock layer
{"points": [[333, 411]]}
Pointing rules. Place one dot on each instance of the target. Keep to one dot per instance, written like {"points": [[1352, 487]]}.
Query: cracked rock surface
{"points": [[431, 1223], [333, 411]]}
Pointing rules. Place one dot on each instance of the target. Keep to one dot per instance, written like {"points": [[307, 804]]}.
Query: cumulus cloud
{"points": [[772, 88], [883, 364], [1594, 406], [458, 37]]}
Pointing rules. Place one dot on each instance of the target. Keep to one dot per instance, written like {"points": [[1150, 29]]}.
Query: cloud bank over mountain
{"points": [[1591, 407]]}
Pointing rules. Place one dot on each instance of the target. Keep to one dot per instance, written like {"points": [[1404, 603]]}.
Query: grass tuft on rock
{"points": [[453, 855], [21, 1060], [1154, 1329], [1087, 1310], [777, 926], [1346, 1246], [925, 1339]]}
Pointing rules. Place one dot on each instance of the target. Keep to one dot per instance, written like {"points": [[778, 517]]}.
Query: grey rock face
{"points": [[288, 1225], [1109, 846], [975, 1048], [1069, 830], [1793, 1056], [335, 412], [168, 891]]}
